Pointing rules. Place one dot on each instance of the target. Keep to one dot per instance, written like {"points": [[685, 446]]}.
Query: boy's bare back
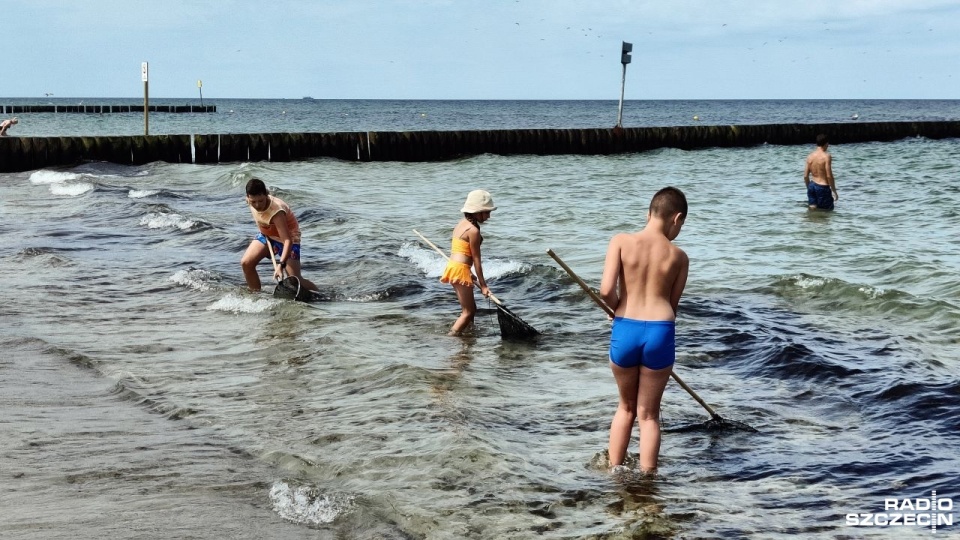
{"points": [[644, 273], [652, 274]]}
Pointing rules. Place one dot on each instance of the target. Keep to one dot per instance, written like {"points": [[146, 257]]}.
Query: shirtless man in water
{"points": [[822, 192], [643, 278], [7, 124]]}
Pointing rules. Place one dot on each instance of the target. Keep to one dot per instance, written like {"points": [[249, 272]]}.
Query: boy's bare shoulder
{"points": [[680, 254], [680, 251], [619, 239]]}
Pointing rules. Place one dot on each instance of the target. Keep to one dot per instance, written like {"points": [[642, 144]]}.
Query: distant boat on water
{"points": [[308, 98]]}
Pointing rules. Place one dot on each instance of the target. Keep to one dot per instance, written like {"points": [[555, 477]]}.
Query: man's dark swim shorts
{"points": [[819, 196]]}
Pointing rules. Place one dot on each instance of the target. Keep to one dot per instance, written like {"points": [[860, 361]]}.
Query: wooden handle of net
{"points": [[276, 268]]}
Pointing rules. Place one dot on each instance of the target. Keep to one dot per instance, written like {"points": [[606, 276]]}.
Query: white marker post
{"points": [[200, 86], [144, 74], [624, 59]]}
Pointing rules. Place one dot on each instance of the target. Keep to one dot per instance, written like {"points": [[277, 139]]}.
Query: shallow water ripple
{"points": [[833, 335]]}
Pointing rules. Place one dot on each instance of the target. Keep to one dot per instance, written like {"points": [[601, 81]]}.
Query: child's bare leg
{"points": [[293, 269], [628, 381], [650, 392], [468, 308], [251, 258]]}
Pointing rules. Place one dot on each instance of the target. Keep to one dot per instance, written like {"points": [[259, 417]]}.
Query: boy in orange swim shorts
{"points": [[276, 224]]}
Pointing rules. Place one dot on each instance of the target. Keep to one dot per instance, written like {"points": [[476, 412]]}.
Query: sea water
{"points": [[144, 392], [332, 115]]}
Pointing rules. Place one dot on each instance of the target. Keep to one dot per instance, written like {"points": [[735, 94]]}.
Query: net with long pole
{"points": [[511, 326]]}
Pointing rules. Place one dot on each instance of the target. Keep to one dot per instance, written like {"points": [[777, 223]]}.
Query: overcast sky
{"points": [[482, 49]]}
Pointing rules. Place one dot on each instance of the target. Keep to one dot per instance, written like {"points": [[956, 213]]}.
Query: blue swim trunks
{"points": [[278, 247], [819, 196], [651, 344]]}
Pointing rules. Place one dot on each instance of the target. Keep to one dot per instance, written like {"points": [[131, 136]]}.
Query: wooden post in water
{"points": [[624, 59], [144, 68]]}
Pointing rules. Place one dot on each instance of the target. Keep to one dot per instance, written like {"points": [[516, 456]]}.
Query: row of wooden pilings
{"points": [[30, 153], [104, 109]]}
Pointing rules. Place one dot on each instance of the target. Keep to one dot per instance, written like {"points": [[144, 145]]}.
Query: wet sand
{"points": [[74, 447]]}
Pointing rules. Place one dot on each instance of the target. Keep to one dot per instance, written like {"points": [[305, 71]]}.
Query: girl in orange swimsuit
{"points": [[464, 253]]}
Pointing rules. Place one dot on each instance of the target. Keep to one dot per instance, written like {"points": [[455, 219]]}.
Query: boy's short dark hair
{"points": [[256, 187], [822, 139], [668, 202]]}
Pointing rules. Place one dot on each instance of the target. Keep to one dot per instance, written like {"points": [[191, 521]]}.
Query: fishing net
{"points": [[716, 424], [289, 289], [722, 424], [513, 327]]}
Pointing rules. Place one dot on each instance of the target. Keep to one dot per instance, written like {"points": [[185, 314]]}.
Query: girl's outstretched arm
{"points": [[474, 236]]}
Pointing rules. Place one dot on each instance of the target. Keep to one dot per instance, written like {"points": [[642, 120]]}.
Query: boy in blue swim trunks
{"points": [[643, 278], [277, 225], [822, 192]]}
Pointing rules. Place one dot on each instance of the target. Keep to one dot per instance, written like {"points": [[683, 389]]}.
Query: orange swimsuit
{"points": [[458, 272]]}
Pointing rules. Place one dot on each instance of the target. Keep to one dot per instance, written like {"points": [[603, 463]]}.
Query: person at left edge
{"points": [[7, 124], [278, 225]]}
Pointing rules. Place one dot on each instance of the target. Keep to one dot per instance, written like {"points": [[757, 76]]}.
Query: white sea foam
{"points": [[195, 278], [373, 297], [52, 177], [239, 178], [70, 189], [872, 292], [808, 282], [305, 504], [428, 261], [495, 268], [141, 193], [432, 264], [155, 220], [233, 303]]}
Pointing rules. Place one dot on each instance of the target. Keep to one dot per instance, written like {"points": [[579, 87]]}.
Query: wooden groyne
{"points": [[105, 109], [30, 153]]}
